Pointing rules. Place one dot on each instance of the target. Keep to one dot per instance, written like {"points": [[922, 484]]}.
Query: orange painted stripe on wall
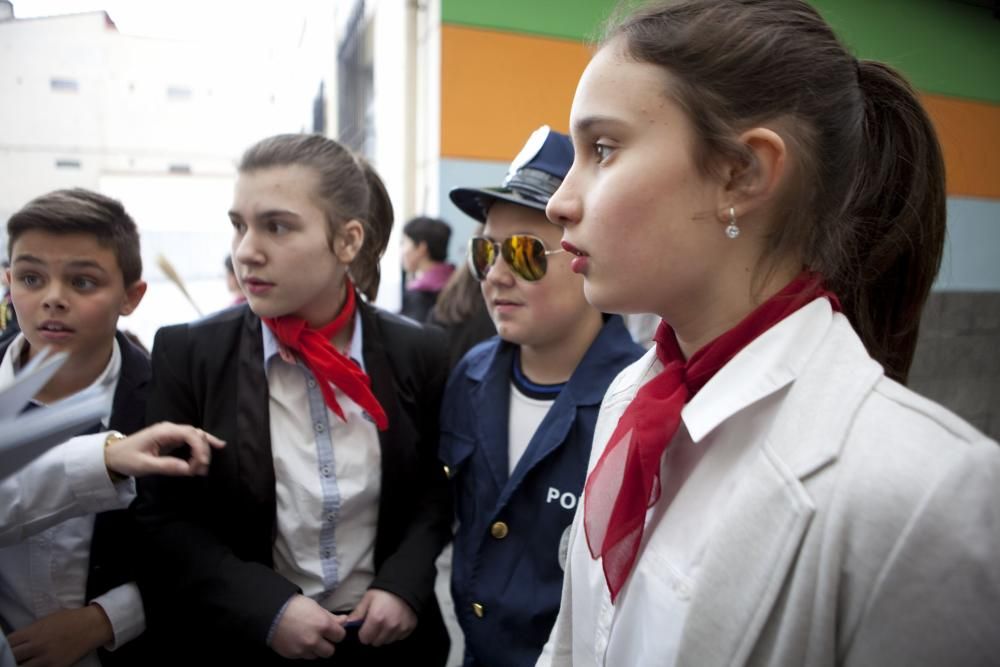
{"points": [[969, 133], [496, 87]]}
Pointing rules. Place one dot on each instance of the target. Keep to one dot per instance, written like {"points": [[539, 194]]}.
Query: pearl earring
{"points": [[732, 230]]}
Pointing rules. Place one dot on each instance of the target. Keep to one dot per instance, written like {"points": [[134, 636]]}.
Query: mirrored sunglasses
{"points": [[524, 254]]}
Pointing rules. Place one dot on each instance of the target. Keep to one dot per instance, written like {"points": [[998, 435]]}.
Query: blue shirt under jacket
{"points": [[510, 544]]}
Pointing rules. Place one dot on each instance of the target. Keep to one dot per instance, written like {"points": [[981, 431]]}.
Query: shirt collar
{"points": [[10, 365], [355, 352], [770, 362]]}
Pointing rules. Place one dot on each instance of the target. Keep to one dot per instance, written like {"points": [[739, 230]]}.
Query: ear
{"points": [[347, 244], [133, 295], [7, 277], [752, 182]]}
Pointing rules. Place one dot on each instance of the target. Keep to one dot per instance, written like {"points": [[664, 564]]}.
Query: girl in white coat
{"points": [[762, 487]]}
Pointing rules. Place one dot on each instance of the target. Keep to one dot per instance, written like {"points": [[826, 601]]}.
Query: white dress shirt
{"points": [[328, 479], [47, 515]]}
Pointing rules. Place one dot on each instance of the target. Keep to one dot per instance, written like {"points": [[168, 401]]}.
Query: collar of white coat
{"points": [[770, 362]]}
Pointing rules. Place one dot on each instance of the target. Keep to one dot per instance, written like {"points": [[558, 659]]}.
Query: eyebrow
{"points": [[76, 264], [270, 213], [588, 122]]}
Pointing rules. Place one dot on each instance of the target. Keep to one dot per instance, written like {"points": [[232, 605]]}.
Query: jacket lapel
{"points": [[759, 537], [396, 439], [128, 411], [398, 443], [610, 352], [253, 425], [491, 405], [742, 574]]}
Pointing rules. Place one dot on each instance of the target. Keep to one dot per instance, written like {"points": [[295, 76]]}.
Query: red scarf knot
{"points": [[626, 480], [327, 363]]}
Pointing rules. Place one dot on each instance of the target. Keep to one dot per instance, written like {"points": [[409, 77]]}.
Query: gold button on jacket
{"points": [[499, 530]]}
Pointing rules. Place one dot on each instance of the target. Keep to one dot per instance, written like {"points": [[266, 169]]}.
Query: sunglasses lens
{"points": [[526, 256], [481, 251]]}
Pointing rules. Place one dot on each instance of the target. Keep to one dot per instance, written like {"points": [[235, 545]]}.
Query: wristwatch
{"points": [[113, 437]]}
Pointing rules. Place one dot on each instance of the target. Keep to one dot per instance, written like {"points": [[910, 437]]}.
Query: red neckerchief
{"points": [[326, 362], [626, 480]]}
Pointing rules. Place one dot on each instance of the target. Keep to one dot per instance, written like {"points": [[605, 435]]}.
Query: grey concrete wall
{"points": [[957, 362]]}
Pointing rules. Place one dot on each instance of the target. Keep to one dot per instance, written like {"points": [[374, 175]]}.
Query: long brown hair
{"points": [[867, 207], [349, 189]]}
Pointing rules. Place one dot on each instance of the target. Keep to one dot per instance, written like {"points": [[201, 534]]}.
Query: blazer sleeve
{"points": [[191, 580], [424, 508]]}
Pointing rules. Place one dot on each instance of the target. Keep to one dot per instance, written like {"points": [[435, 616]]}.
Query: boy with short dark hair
{"points": [[66, 591]]}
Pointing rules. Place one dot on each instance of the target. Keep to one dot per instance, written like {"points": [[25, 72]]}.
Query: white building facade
{"points": [[158, 124]]}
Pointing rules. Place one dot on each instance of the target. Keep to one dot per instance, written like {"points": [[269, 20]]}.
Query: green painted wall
{"points": [[946, 47], [579, 20]]}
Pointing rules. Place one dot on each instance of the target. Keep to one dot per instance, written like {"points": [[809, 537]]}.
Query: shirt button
{"points": [[499, 530], [318, 427], [326, 471], [311, 383], [330, 517], [477, 609], [683, 591], [326, 553], [447, 472]]}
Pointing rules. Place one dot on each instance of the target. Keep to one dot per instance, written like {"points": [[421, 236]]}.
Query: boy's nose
{"points": [[500, 273], [55, 297]]}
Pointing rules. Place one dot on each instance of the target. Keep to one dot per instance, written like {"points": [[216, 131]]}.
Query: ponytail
{"points": [[897, 206], [866, 208], [378, 225]]}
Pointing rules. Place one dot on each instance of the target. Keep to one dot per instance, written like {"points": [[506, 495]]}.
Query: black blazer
{"points": [[112, 545], [207, 572]]}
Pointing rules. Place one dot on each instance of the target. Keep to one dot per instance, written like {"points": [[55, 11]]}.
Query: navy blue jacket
{"points": [[516, 578]]}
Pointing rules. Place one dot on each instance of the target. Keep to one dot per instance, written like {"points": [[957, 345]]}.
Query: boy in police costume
{"points": [[519, 411]]}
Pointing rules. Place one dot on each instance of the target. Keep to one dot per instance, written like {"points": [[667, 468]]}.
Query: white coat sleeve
{"points": [[68, 480]]}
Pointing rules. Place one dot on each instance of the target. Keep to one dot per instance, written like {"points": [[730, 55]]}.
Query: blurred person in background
{"points": [[424, 255]]}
